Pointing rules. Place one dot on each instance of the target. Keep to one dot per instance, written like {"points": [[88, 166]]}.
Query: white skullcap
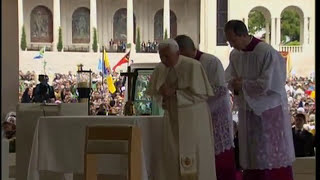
{"points": [[300, 110], [171, 43]]}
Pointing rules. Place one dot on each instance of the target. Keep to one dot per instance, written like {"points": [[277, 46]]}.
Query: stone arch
{"points": [[158, 25], [41, 25], [120, 25], [266, 36], [81, 25], [173, 24], [298, 12]]}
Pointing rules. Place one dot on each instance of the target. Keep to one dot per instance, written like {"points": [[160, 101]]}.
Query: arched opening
{"points": [[158, 25], [292, 26], [120, 26], [41, 25], [81, 25], [259, 23]]}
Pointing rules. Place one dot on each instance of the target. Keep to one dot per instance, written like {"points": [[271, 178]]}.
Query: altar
{"points": [[58, 146], [27, 117]]}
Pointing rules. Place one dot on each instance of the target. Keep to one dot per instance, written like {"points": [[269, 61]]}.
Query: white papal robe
{"points": [[188, 142]]}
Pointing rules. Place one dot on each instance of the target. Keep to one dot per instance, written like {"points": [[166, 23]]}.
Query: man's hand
{"points": [[164, 103], [167, 91], [237, 84]]}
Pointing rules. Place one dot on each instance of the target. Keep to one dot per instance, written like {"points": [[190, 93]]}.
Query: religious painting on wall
{"points": [[41, 25], [158, 25], [81, 25], [120, 26]]}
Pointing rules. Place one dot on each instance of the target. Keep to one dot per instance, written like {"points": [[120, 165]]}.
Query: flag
{"points": [[102, 67], [100, 64], [289, 64], [106, 71], [106, 60], [287, 58], [110, 84], [123, 60], [41, 53]]}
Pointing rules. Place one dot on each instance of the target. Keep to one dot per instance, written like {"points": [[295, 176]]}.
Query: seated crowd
{"points": [[300, 90]]}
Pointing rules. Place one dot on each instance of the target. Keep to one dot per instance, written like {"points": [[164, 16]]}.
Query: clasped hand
{"points": [[166, 91], [237, 84]]}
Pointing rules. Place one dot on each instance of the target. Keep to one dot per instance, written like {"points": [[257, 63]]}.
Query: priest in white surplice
{"points": [[257, 76], [219, 105], [181, 86]]}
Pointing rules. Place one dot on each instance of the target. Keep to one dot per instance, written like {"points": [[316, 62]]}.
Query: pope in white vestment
{"points": [[181, 86], [220, 108]]}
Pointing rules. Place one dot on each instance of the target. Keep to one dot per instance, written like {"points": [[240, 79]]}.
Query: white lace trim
{"points": [[265, 141], [221, 119]]}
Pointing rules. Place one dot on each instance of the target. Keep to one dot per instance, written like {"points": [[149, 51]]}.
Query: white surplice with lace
{"points": [[219, 104], [265, 136]]}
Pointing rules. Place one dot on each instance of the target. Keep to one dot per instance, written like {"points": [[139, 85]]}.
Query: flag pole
{"points": [[44, 61], [44, 66], [102, 72]]}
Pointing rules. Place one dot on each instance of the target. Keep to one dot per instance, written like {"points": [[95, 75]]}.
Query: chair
{"points": [[304, 168], [115, 133]]}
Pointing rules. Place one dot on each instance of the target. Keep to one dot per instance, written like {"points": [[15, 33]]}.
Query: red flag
{"points": [[123, 60]]}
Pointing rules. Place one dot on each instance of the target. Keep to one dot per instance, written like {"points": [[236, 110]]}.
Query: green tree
{"points": [[23, 42], [290, 25], [256, 22], [95, 41], [60, 45], [138, 42], [166, 34]]}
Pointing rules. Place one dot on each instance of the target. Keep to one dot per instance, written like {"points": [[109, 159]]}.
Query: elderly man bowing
{"points": [[181, 86]]}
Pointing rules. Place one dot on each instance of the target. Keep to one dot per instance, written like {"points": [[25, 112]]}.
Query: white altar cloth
{"points": [[58, 145], [27, 118]]}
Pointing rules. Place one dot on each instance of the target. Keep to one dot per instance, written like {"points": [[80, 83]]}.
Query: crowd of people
{"points": [[301, 93], [65, 91], [117, 46], [120, 46], [300, 90], [151, 47]]}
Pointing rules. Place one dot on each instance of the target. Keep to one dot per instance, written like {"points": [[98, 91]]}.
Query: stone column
{"points": [[166, 17], [130, 28], [56, 23], [267, 33], [203, 25], [245, 21], [93, 21], [10, 63], [273, 33], [305, 31], [278, 32], [20, 22]]}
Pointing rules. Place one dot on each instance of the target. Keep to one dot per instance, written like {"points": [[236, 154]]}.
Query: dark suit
{"points": [[43, 92], [303, 143]]}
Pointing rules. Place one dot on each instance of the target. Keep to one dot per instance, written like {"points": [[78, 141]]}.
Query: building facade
{"points": [[117, 24]]}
